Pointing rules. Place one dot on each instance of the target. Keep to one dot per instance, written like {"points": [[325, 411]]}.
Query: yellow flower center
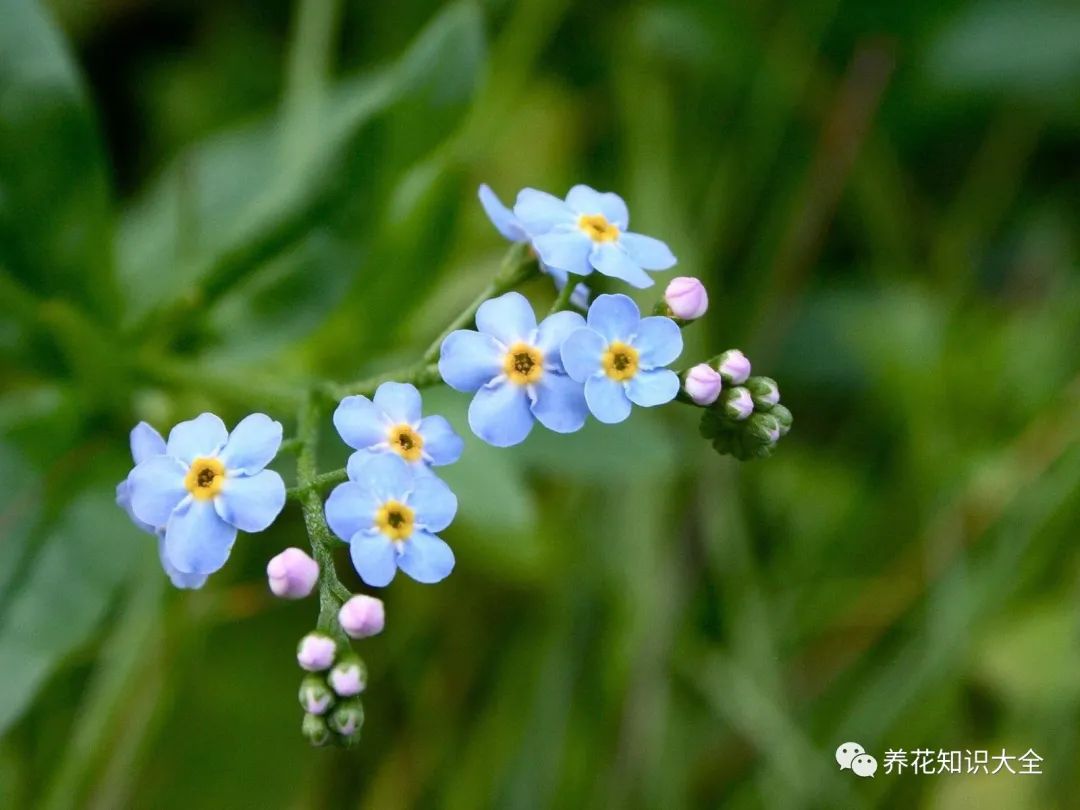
{"points": [[406, 442], [395, 520], [205, 478], [597, 228], [523, 364], [620, 361]]}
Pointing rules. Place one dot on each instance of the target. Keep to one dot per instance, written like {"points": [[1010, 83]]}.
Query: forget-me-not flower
{"points": [[587, 232], [207, 485], [146, 443], [393, 423], [620, 357], [515, 369], [389, 513], [511, 228]]}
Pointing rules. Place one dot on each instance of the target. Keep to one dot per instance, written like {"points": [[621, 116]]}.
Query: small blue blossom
{"points": [[393, 423], [587, 232], [620, 357], [511, 228], [205, 486], [389, 513], [146, 443], [515, 369]]}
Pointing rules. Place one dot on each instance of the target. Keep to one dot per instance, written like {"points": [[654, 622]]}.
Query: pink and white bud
{"points": [[737, 403], [686, 298], [292, 574], [703, 384], [362, 616], [315, 698], [348, 677], [316, 652], [733, 367]]}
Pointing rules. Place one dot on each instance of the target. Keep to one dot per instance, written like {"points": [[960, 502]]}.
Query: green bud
{"points": [[712, 423], [740, 447], [763, 451], [722, 444], [736, 403], [763, 428], [315, 730], [783, 417], [315, 695], [765, 392], [347, 718]]}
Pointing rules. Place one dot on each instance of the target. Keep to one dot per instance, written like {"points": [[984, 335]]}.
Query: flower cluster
{"points": [[590, 355]]}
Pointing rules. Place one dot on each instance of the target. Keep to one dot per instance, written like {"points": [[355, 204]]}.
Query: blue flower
{"points": [[516, 371], [620, 357], [511, 228], [587, 232], [206, 485], [146, 443], [392, 423], [389, 514]]}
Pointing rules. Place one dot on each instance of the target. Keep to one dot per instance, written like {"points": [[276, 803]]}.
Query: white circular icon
{"points": [[847, 752], [864, 765]]}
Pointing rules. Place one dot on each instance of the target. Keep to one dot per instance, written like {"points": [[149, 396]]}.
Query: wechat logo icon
{"points": [[852, 756]]}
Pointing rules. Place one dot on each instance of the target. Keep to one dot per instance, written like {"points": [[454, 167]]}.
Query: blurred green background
{"points": [[203, 204]]}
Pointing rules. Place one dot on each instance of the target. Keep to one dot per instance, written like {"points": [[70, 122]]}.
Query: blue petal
{"points": [[251, 502], [442, 444], [156, 487], [253, 444], [178, 578], [350, 509], [508, 318], [565, 250], [655, 387], [560, 403], [552, 332], [399, 401], [145, 442], [200, 437], [384, 475], [499, 414], [197, 541], [501, 217], [359, 423], [468, 360], [426, 558], [659, 340], [611, 260], [581, 353], [585, 200], [123, 500], [652, 254], [374, 557], [539, 212], [607, 399], [434, 502], [616, 317]]}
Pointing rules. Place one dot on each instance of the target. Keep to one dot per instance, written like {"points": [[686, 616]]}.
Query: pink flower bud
{"points": [[733, 367], [316, 652], [686, 298], [703, 384], [292, 574], [362, 616], [348, 677]]}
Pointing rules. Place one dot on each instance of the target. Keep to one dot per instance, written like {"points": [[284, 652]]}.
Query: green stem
{"points": [[320, 483], [562, 301]]}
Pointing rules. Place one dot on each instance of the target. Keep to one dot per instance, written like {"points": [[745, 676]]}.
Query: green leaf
{"points": [[55, 211]]}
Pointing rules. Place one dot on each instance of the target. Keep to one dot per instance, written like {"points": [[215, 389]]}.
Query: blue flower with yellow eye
{"points": [[146, 443], [511, 228], [515, 369], [587, 232], [392, 422], [620, 357], [390, 513], [205, 486]]}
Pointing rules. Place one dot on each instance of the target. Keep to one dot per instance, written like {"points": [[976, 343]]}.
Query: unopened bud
{"points": [[348, 677], [686, 298], [783, 417], [362, 616], [316, 652], [315, 729], [733, 366], [292, 574], [315, 696], [764, 390], [347, 717], [737, 403], [763, 428], [703, 384]]}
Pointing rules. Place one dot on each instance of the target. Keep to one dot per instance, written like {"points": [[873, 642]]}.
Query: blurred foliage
{"points": [[201, 203]]}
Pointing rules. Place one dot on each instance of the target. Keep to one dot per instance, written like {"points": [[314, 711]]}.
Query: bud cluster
{"points": [[745, 418]]}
